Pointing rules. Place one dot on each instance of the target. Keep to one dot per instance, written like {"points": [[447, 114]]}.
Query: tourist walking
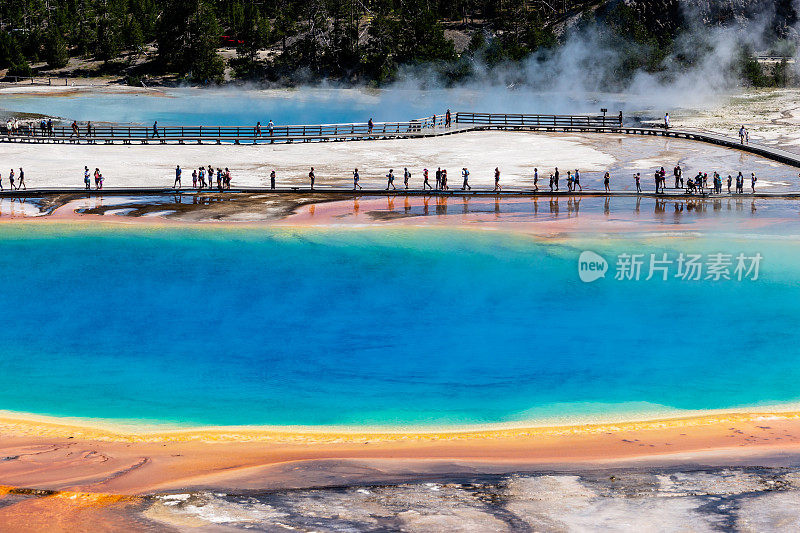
{"points": [[100, 180], [311, 177], [753, 180], [637, 178], [730, 180], [390, 180], [444, 180], [11, 178], [497, 186], [556, 174], [666, 121], [465, 175], [75, 132], [742, 134], [447, 119], [201, 178], [370, 126], [155, 130], [227, 178], [272, 179], [258, 129], [356, 177], [406, 176], [552, 180], [21, 182], [678, 173], [569, 181], [425, 183], [607, 182], [438, 178], [576, 181], [87, 183], [194, 179], [535, 179]]}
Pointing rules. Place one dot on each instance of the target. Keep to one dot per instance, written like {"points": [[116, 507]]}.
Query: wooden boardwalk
{"points": [[345, 193], [424, 127]]}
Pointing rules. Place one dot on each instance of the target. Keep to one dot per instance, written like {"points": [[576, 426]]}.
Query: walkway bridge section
{"points": [[433, 126]]}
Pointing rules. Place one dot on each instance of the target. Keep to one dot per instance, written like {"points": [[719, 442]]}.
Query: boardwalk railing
{"points": [[38, 80], [426, 126], [544, 121], [220, 133]]}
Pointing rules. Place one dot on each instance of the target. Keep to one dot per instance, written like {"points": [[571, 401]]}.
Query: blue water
{"points": [[239, 107], [378, 326]]}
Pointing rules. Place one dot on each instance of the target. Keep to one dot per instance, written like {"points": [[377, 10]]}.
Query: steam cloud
{"points": [[583, 68]]}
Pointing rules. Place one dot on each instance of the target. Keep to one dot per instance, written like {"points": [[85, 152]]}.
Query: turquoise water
{"points": [[241, 107], [379, 326]]}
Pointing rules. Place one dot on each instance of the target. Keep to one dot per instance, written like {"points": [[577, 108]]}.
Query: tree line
{"points": [[352, 40]]}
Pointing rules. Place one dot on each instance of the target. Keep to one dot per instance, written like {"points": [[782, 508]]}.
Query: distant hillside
{"points": [[371, 41]]}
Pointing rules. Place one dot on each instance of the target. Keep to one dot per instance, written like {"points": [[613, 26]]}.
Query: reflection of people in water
{"points": [[573, 205], [441, 205]]}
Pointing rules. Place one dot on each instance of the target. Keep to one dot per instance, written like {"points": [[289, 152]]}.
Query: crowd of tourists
{"points": [[697, 185], [220, 178], [204, 178]]}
